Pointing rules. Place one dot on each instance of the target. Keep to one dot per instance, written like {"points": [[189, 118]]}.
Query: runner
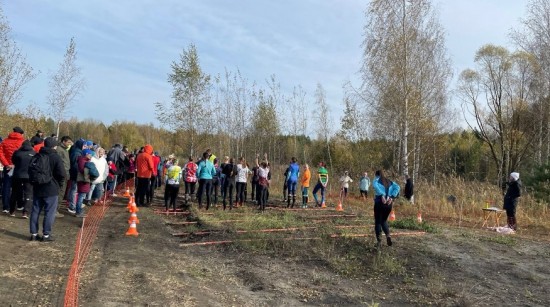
{"points": [[322, 181]]}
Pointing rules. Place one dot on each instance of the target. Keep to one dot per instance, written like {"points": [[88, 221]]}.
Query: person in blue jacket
{"points": [[205, 172], [385, 191], [292, 181]]}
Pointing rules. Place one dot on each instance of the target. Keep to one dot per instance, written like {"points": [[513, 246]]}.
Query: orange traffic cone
{"points": [[133, 208], [392, 215], [133, 218], [130, 201], [127, 193], [339, 206], [419, 217], [132, 230]]}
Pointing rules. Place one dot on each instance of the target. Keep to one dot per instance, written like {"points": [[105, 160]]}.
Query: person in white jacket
{"points": [[96, 189], [345, 181]]}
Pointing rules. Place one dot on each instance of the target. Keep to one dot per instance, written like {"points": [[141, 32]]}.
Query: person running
{"points": [[511, 199], [322, 181], [172, 185], [263, 181], [242, 175], [305, 185], [205, 173], [229, 172], [292, 181], [385, 191], [190, 178], [345, 181], [364, 184]]}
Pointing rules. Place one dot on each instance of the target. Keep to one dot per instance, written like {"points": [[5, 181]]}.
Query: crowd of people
{"points": [[48, 174]]}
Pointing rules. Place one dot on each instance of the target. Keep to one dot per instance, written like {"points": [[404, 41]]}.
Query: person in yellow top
{"points": [[304, 181]]}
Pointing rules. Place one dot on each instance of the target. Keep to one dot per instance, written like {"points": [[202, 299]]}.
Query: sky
{"points": [[125, 47]]}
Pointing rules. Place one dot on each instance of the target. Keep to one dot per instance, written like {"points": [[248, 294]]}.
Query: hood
{"points": [[148, 149], [15, 136], [26, 146], [48, 151]]}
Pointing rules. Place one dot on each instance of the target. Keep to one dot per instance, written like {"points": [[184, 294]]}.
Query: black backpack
{"points": [[40, 171]]}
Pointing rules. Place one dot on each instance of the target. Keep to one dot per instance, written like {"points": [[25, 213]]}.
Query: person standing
{"points": [[21, 195], [263, 181], [345, 181], [145, 166], [305, 185], [322, 181], [172, 185], [62, 149], [87, 172], [205, 173], [364, 184], [7, 148], [45, 192], [242, 176], [385, 191], [409, 189], [190, 178], [511, 199], [153, 182], [229, 172], [292, 181], [37, 138], [96, 189]]}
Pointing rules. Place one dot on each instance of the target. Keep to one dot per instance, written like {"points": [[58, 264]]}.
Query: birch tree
{"points": [[405, 71], [65, 85], [190, 95]]}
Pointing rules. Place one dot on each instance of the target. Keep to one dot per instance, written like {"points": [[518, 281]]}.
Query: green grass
{"points": [[412, 224]]}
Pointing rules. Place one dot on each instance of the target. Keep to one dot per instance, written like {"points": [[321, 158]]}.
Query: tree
{"points": [[191, 92], [498, 95], [65, 85], [15, 73], [406, 72]]}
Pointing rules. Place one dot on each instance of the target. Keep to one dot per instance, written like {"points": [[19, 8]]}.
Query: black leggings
{"points": [[228, 185], [205, 185], [170, 194], [189, 188], [141, 190], [381, 213], [240, 192]]}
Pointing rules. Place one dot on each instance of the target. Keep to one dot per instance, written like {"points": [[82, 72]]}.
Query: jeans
{"points": [[80, 199], [96, 191], [318, 187], [72, 195], [262, 197], [240, 192], [49, 205]]}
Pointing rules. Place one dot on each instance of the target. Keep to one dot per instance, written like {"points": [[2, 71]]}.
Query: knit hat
{"points": [[89, 144], [50, 142], [18, 130], [86, 152], [514, 176]]}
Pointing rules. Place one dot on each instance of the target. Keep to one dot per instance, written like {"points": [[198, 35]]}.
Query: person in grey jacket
{"points": [[63, 151]]}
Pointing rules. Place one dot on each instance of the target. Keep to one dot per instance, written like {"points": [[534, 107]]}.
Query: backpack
{"points": [[40, 171]]}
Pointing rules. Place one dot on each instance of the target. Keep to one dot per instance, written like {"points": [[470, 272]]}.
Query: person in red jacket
{"points": [[145, 167], [7, 148]]}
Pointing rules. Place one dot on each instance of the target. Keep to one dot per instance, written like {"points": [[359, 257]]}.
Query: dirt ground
{"points": [[452, 267]]}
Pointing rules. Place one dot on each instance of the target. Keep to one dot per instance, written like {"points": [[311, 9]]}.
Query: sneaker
{"points": [[6, 211], [81, 215], [25, 216], [47, 238], [71, 211], [12, 214], [114, 195], [388, 240], [57, 214], [35, 237], [20, 208]]}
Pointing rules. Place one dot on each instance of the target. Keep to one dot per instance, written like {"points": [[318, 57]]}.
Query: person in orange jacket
{"points": [[304, 181], [145, 168]]}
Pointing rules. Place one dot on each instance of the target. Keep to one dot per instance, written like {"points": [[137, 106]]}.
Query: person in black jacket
{"points": [[409, 189], [511, 199], [45, 195], [21, 195]]}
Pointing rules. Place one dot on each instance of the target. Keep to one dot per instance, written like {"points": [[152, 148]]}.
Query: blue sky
{"points": [[125, 47]]}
